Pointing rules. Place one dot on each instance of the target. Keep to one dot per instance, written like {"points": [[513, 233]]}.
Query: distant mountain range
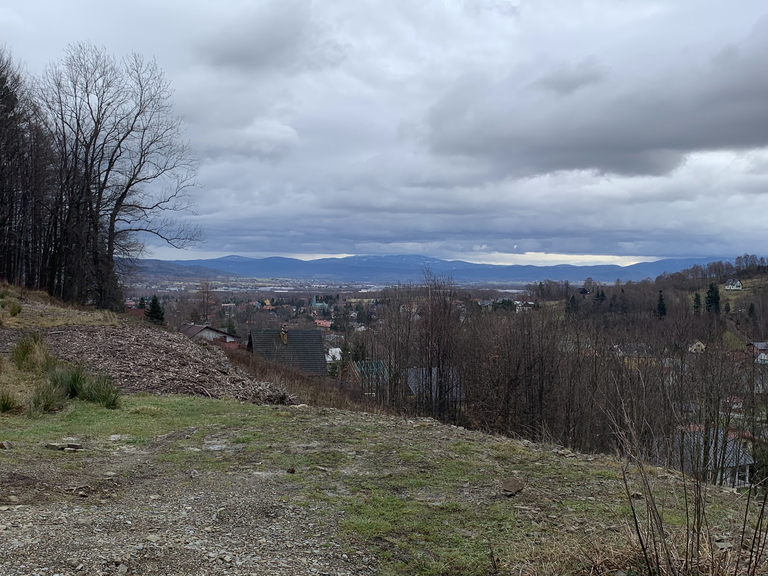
{"points": [[394, 269]]}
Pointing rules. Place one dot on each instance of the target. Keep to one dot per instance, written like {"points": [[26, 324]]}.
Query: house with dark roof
{"points": [[757, 348], [733, 284], [715, 455], [205, 332], [302, 349]]}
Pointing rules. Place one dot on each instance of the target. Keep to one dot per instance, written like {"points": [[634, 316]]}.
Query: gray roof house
{"points": [[717, 456], [204, 332], [302, 349]]}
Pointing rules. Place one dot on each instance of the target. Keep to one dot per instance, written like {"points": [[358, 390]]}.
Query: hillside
{"points": [[399, 269], [180, 484]]}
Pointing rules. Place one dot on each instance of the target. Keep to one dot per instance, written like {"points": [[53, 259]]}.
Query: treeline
{"points": [[558, 372], [91, 158]]}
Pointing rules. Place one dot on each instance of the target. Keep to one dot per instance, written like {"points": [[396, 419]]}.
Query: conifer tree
{"points": [[697, 304], [661, 307], [154, 313], [712, 299]]}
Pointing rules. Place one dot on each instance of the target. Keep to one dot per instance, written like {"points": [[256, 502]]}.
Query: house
{"points": [[717, 456], [698, 347], [205, 332], [762, 358], [733, 284], [371, 375], [302, 349], [757, 348]]}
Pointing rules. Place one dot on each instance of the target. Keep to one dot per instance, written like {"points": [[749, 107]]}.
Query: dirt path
{"points": [[128, 513]]}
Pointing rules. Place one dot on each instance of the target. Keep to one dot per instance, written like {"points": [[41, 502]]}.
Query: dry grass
{"points": [[315, 391], [26, 309]]}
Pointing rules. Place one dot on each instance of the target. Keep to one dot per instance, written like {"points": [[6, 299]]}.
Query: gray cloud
{"points": [[630, 126], [566, 79], [458, 128], [277, 35]]}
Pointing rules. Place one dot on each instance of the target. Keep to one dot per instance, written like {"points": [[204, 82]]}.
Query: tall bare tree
{"points": [[124, 167]]}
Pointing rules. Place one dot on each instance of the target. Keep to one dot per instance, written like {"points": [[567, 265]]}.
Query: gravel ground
{"points": [[130, 514]]}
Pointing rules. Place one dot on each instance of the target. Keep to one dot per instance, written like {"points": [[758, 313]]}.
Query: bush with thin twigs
{"points": [[313, 390], [659, 550]]}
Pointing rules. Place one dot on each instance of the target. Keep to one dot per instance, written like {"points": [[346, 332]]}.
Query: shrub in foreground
{"points": [[75, 382], [30, 354], [46, 397], [8, 401], [101, 389], [71, 379]]}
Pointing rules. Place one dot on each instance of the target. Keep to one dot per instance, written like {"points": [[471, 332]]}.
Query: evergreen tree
{"points": [[572, 306], [142, 303], [155, 312], [712, 299], [697, 304], [751, 311], [661, 307]]}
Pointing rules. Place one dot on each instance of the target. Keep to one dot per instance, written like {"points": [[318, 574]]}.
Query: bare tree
{"points": [[124, 167]]}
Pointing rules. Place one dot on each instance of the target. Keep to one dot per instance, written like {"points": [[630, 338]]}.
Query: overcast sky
{"points": [[491, 131]]}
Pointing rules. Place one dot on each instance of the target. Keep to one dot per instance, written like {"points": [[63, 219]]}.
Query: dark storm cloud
{"points": [[630, 125]]}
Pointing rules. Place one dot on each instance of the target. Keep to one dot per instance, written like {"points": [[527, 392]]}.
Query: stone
{"points": [[13, 498], [55, 446], [122, 569], [6, 445], [511, 486]]}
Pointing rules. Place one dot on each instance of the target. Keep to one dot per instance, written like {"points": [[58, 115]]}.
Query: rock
{"points": [[723, 545], [13, 498], [75, 445], [291, 470], [55, 446], [153, 538], [511, 486], [6, 445], [122, 569]]}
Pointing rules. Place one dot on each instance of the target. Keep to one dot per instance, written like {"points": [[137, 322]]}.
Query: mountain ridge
{"points": [[408, 268]]}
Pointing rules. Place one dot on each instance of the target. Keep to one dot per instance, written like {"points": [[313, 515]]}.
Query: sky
{"points": [[536, 132]]}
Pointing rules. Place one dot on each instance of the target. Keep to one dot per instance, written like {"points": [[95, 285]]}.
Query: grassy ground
{"points": [[423, 497]]}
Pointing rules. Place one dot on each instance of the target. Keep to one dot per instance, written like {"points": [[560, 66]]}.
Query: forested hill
{"points": [[394, 269]]}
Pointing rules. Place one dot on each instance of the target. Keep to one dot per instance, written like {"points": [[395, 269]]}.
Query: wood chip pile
{"points": [[159, 362]]}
